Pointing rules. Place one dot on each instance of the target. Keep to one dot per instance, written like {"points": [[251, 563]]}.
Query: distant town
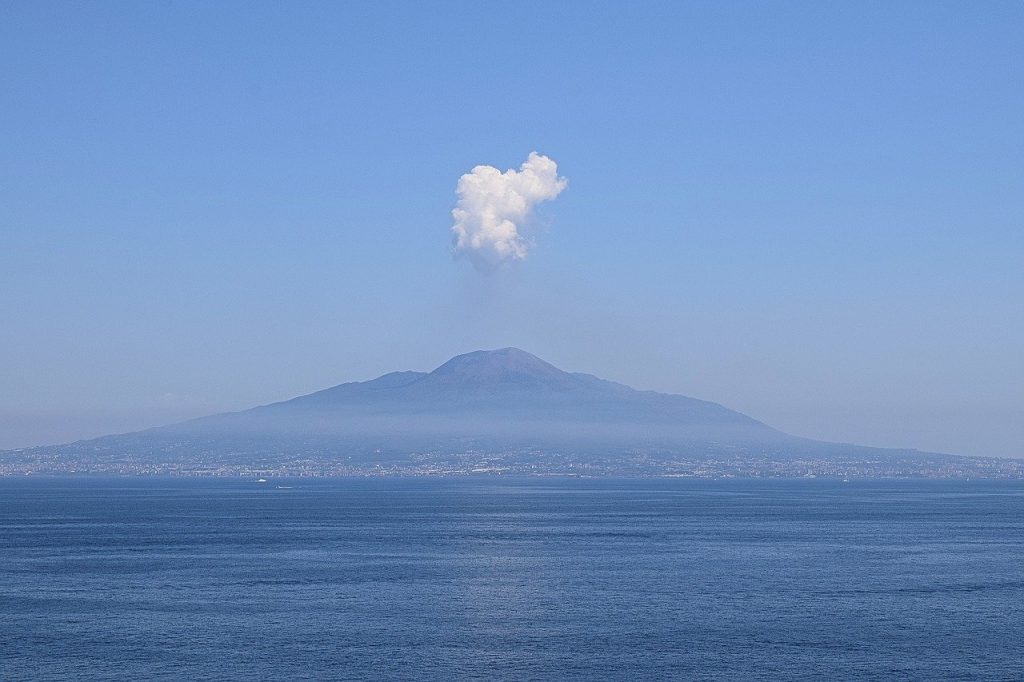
{"points": [[41, 461]]}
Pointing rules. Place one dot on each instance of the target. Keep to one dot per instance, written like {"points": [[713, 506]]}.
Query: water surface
{"points": [[519, 579]]}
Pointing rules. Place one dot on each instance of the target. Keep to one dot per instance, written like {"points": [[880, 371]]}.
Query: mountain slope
{"points": [[507, 393]]}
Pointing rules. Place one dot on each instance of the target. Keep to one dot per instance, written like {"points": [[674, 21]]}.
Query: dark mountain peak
{"points": [[394, 379], [502, 367]]}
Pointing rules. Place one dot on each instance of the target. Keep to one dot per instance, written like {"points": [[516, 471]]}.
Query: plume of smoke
{"points": [[493, 208]]}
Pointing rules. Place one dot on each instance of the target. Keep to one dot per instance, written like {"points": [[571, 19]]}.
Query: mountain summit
{"points": [[503, 405], [504, 367]]}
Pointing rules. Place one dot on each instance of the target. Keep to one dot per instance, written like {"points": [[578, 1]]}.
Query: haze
{"points": [[812, 214]]}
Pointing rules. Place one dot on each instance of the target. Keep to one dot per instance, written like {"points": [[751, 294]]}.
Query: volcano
{"points": [[506, 405]]}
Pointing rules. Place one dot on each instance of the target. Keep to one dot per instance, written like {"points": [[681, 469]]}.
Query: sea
{"points": [[493, 578]]}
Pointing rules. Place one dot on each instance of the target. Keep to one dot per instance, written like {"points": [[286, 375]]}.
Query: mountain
{"points": [[497, 410], [505, 397]]}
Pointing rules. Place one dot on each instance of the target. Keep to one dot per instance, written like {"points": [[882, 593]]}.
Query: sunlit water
{"points": [[516, 579]]}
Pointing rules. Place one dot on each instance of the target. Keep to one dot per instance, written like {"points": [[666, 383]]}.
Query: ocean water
{"points": [[510, 579]]}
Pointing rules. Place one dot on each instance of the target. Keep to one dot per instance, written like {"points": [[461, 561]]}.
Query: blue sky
{"points": [[810, 212]]}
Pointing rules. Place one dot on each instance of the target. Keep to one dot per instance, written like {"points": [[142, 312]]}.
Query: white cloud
{"points": [[494, 207]]}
